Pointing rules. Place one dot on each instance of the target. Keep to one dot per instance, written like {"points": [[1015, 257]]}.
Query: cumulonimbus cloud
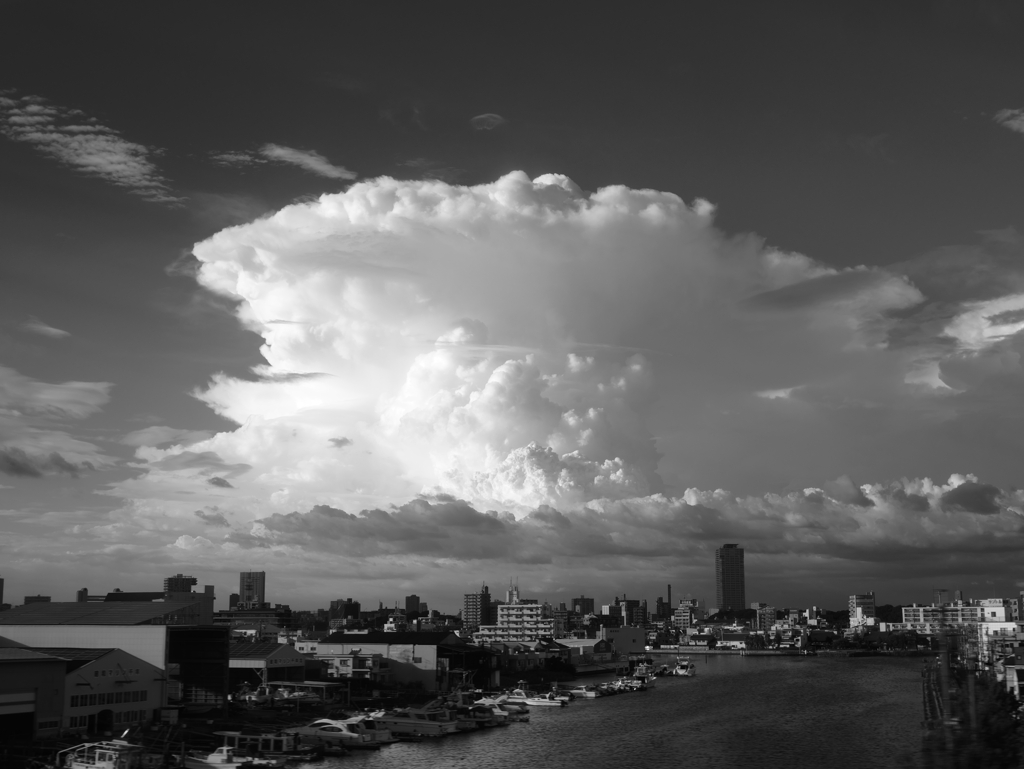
{"points": [[83, 143], [552, 374]]}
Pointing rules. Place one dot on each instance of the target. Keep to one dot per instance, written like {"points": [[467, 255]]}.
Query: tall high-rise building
{"points": [[730, 580], [82, 596], [179, 583], [412, 605], [862, 607], [477, 610], [512, 594], [1, 591], [940, 595], [233, 601], [252, 588], [583, 605]]}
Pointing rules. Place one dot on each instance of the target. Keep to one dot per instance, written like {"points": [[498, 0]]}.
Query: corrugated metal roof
{"points": [[72, 654], [115, 613], [247, 650], [14, 654]]}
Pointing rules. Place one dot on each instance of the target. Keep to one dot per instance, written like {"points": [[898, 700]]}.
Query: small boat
{"points": [[224, 756], [269, 744], [533, 699], [586, 692], [113, 754], [332, 733], [644, 674], [432, 720], [502, 708], [684, 667]]}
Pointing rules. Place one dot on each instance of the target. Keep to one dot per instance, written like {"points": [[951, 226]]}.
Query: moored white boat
{"points": [[684, 667], [432, 720], [224, 756], [586, 692], [533, 699]]}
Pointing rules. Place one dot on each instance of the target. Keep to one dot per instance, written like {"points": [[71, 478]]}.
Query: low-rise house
{"points": [[358, 666], [257, 662], [433, 661]]}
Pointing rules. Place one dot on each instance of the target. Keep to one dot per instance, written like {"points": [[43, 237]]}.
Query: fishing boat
{"points": [[684, 667], [268, 744], [113, 754], [644, 674]]}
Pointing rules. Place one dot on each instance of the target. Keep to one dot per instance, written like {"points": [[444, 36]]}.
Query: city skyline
{"points": [[394, 325]]}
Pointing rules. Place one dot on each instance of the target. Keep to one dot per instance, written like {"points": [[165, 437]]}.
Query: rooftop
{"points": [[76, 657], [114, 613], [379, 637], [247, 650], [16, 654]]}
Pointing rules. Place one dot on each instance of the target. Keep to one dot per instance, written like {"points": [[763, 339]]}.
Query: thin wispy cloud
{"points": [[307, 160], [1011, 118], [35, 326], [487, 122], [83, 143]]}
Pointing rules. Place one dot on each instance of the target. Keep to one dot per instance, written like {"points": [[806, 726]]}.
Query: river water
{"points": [[790, 712]]}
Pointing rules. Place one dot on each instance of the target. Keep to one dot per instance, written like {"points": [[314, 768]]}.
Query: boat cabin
{"points": [[263, 742], [115, 754]]}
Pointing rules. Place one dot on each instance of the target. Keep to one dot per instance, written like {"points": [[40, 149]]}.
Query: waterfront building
{"points": [[477, 610], [764, 618], [108, 689], [179, 583], [517, 623], [32, 688], [256, 663], [166, 634], [730, 580], [434, 661], [252, 589]]}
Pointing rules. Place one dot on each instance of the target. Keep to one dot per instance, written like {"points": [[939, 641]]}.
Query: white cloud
{"points": [[34, 419], [36, 326], [487, 121], [1011, 118], [81, 142], [523, 343], [308, 160]]}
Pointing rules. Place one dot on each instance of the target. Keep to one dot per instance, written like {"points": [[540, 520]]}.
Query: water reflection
{"points": [[763, 711]]}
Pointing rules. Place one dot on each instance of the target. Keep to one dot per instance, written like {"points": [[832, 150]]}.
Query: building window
{"points": [[48, 724], [145, 695], [417, 659], [92, 699], [118, 697]]}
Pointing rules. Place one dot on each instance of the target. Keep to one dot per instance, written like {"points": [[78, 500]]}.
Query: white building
{"points": [[517, 623]]}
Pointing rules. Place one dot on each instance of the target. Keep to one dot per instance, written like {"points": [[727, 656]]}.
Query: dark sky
{"points": [[886, 137]]}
